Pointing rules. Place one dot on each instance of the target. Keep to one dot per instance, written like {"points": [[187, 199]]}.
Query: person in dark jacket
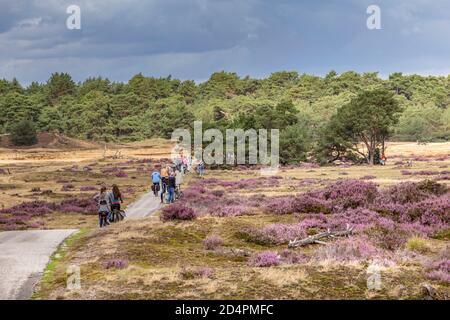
{"points": [[163, 187], [171, 184]]}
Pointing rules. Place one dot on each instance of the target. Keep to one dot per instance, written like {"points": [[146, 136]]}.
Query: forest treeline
{"points": [[304, 107]]}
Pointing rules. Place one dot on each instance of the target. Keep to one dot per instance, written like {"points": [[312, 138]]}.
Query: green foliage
{"points": [[367, 119], [23, 133], [329, 115], [167, 115], [295, 143], [59, 85], [420, 122]]}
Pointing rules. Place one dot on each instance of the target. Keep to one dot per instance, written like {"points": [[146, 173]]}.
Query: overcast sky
{"points": [[190, 39]]}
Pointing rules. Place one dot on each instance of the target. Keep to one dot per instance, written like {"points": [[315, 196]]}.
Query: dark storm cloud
{"points": [[193, 38]]}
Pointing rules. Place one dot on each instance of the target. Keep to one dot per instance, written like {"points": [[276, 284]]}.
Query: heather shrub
{"points": [[277, 233], [280, 205], [350, 193], [347, 250], [302, 203], [439, 275], [360, 219], [115, 264], [386, 234], [432, 187], [410, 192], [432, 211], [293, 257], [419, 173], [439, 270], [212, 242], [218, 193], [230, 210], [121, 174], [88, 188], [194, 193], [309, 204], [76, 205], [264, 259], [34, 208], [177, 211], [394, 211]]}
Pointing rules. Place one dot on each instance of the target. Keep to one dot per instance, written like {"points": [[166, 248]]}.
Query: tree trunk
{"points": [[372, 156]]}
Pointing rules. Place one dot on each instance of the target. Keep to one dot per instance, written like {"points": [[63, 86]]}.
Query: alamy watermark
{"points": [[240, 146], [374, 20], [73, 22], [73, 277]]}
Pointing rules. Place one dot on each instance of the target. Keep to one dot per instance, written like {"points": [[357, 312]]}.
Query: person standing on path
{"points": [[115, 198], [171, 184], [164, 177], [104, 206], [156, 180]]}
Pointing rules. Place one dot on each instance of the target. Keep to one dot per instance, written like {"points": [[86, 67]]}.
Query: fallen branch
{"points": [[318, 237]]}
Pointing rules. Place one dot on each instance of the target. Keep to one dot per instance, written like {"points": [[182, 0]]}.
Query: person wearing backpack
{"points": [[104, 206], [156, 180]]}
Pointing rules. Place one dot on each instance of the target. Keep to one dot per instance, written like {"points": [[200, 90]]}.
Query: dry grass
{"points": [[157, 251]]}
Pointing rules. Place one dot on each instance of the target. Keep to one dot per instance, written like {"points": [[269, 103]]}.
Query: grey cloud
{"points": [[191, 39]]}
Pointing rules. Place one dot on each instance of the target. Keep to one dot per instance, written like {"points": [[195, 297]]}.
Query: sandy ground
{"points": [[23, 257]]}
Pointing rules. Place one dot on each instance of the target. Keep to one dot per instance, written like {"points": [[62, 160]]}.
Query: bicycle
{"points": [[117, 215]]}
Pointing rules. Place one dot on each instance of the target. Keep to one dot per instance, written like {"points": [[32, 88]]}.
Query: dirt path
{"points": [[23, 257], [145, 206]]}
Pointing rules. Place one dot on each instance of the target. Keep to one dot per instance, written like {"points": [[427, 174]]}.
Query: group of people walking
{"points": [[166, 183], [108, 203], [168, 180]]}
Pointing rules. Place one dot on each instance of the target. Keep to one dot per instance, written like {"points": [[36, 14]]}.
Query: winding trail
{"points": [[23, 258], [24, 255], [145, 206]]}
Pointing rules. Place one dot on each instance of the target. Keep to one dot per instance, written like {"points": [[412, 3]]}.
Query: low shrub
{"points": [[265, 259], [346, 250], [386, 234], [194, 273], [212, 242], [439, 269], [417, 244], [68, 187], [115, 264], [177, 211], [88, 188], [350, 193]]}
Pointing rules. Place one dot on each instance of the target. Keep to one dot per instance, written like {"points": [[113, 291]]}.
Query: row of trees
{"points": [[324, 114]]}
